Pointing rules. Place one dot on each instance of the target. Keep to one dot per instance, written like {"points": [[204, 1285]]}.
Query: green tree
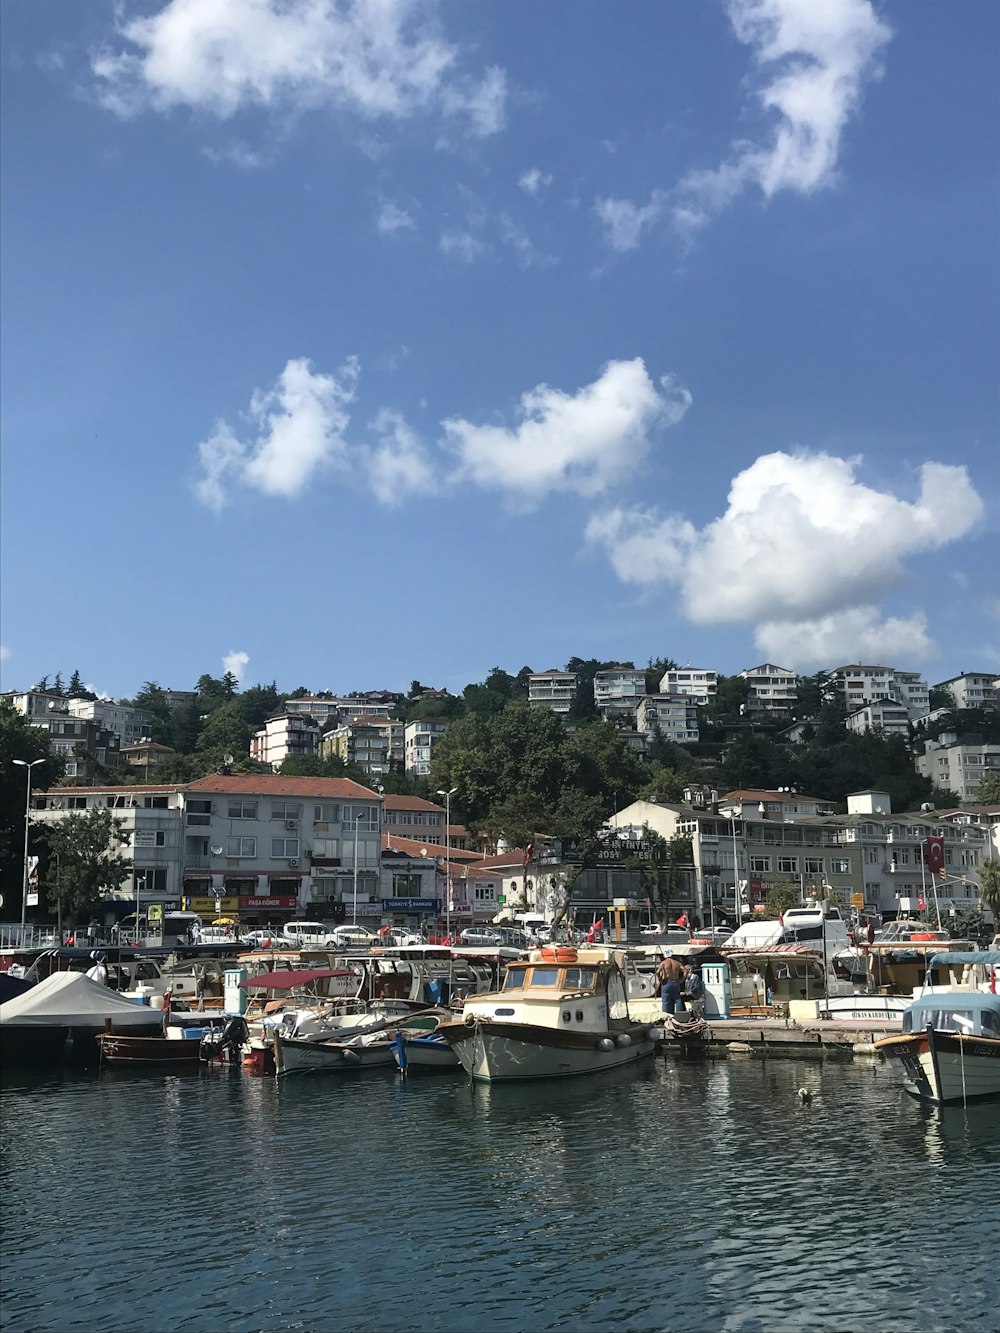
{"points": [[57, 684], [780, 897], [664, 785], [84, 861], [988, 791], [989, 889], [152, 700], [655, 668], [20, 741]]}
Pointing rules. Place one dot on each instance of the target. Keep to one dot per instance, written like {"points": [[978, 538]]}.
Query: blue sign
{"points": [[411, 904]]}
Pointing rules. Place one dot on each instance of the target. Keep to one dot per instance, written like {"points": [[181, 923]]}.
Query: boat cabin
{"points": [[971, 1015], [558, 988]]}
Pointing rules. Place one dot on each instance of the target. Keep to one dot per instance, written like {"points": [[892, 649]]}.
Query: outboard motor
{"points": [[226, 1041]]}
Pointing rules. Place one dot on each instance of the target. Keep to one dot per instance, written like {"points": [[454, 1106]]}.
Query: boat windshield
{"points": [[942, 1020]]}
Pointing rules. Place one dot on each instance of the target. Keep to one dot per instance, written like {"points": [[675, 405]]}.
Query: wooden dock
{"points": [[822, 1039]]}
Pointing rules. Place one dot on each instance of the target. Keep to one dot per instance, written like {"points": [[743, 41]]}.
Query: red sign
{"points": [[935, 855], [286, 902]]}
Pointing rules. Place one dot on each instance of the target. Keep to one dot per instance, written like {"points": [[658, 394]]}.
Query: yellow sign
{"points": [[154, 912], [857, 900], [207, 906]]}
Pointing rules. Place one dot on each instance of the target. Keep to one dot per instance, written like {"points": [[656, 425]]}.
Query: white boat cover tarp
{"points": [[69, 999]]}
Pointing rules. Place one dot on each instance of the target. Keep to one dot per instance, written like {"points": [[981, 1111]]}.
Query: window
{"points": [[814, 865], [839, 865], [199, 812], [286, 810], [788, 864], [326, 814], [485, 893], [77, 803], [364, 817], [284, 847], [242, 809], [241, 847], [155, 803], [543, 976], [760, 865], [326, 848], [152, 880]]}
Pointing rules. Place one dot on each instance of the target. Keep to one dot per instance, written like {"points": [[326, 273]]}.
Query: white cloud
{"points": [[463, 245], [399, 466], [817, 54], [391, 218], [532, 180], [235, 664], [855, 635], [299, 427], [624, 222], [523, 248], [376, 59], [802, 539], [578, 442]]}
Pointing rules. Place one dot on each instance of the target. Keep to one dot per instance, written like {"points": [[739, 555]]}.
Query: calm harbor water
{"points": [[701, 1196]]}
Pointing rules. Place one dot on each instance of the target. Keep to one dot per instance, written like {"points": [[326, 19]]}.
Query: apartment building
{"points": [[283, 736], [889, 718], [365, 743], [672, 716], [856, 685], [617, 691], [128, 724], [770, 688], [552, 689], [420, 739], [86, 747], [958, 766], [973, 689], [413, 817], [702, 685]]}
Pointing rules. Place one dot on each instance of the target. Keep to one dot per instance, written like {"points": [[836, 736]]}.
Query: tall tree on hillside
{"points": [[84, 860], [988, 791], [655, 668], [57, 684], [151, 699]]}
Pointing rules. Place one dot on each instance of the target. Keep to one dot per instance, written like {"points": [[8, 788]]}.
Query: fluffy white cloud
{"points": [[817, 54], [391, 218], [802, 538], [399, 466], [532, 180], [376, 58], [235, 663], [578, 442], [463, 245], [299, 428], [856, 635]]}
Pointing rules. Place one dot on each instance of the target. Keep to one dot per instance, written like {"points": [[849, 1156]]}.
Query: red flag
{"points": [[993, 979], [935, 855], [921, 904], [529, 851]]}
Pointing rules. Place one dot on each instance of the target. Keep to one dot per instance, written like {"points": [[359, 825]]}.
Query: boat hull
{"points": [[424, 1055], [946, 1067], [498, 1052], [168, 1051], [326, 1057]]}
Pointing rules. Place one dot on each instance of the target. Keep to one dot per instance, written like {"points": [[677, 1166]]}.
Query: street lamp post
{"points": [[23, 763], [447, 856], [357, 824], [737, 897]]}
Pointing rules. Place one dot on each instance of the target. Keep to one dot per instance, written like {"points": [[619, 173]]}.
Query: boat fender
{"points": [[623, 1039], [605, 1044], [469, 1020], [352, 1057]]}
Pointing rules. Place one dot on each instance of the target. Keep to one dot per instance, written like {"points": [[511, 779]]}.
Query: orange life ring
{"points": [[928, 935], [558, 955]]}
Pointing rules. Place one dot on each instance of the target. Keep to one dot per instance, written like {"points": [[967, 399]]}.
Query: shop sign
{"points": [[285, 902], [207, 906], [144, 838], [411, 904]]}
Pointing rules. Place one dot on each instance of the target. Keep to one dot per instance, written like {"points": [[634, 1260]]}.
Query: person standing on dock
{"points": [[670, 974]]}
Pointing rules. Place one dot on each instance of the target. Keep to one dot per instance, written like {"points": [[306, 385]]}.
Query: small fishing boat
{"points": [[560, 1013], [63, 1014], [949, 1048], [369, 1048], [178, 1046]]}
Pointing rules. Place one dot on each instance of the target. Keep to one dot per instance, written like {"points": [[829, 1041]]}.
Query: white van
{"points": [[303, 933]]}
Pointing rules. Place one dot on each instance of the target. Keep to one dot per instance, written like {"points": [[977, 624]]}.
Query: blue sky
{"points": [[351, 343]]}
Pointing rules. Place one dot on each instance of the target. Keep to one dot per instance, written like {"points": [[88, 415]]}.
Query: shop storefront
{"points": [[257, 909], [413, 912]]}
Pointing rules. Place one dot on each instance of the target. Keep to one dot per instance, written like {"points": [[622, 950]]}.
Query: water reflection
{"points": [[660, 1196]]}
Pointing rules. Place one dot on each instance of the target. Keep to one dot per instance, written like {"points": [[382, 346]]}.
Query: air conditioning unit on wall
{"points": [[294, 862], [291, 823]]}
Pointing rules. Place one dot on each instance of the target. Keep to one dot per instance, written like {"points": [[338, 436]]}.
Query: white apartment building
{"points": [[890, 718], [673, 716], [617, 690], [770, 688], [701, 684], [420, 739], [958, 767], [127, 723], [856, 685], [552, 689], [283, 736], [973, 689]]}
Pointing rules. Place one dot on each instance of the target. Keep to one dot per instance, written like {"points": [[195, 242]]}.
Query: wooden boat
{"points": [[950, 1044], [561, 1013], [175, 1048], [368, 1049]]}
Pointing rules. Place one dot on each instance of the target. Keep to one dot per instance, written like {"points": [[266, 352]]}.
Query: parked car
{"points": [[341, 935], [303, 933], [399, 938]]}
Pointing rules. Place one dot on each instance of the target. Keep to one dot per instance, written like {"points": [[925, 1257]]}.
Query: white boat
{"points": [[560, 1013], [68, 1010], [950, 1044], [369, 1048]]}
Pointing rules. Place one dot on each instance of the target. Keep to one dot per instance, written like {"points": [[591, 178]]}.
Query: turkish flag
{"points": [[935, 855]]}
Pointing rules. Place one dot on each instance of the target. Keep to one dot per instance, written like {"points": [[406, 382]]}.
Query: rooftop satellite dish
{"points": [[216, 851], [227, 758]]}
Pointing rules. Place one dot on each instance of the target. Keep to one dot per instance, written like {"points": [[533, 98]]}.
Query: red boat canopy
{"points": [[289, 980]]}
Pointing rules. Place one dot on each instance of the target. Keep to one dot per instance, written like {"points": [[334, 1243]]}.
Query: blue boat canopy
{"points": [[991, 957], [965, 1002]]}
